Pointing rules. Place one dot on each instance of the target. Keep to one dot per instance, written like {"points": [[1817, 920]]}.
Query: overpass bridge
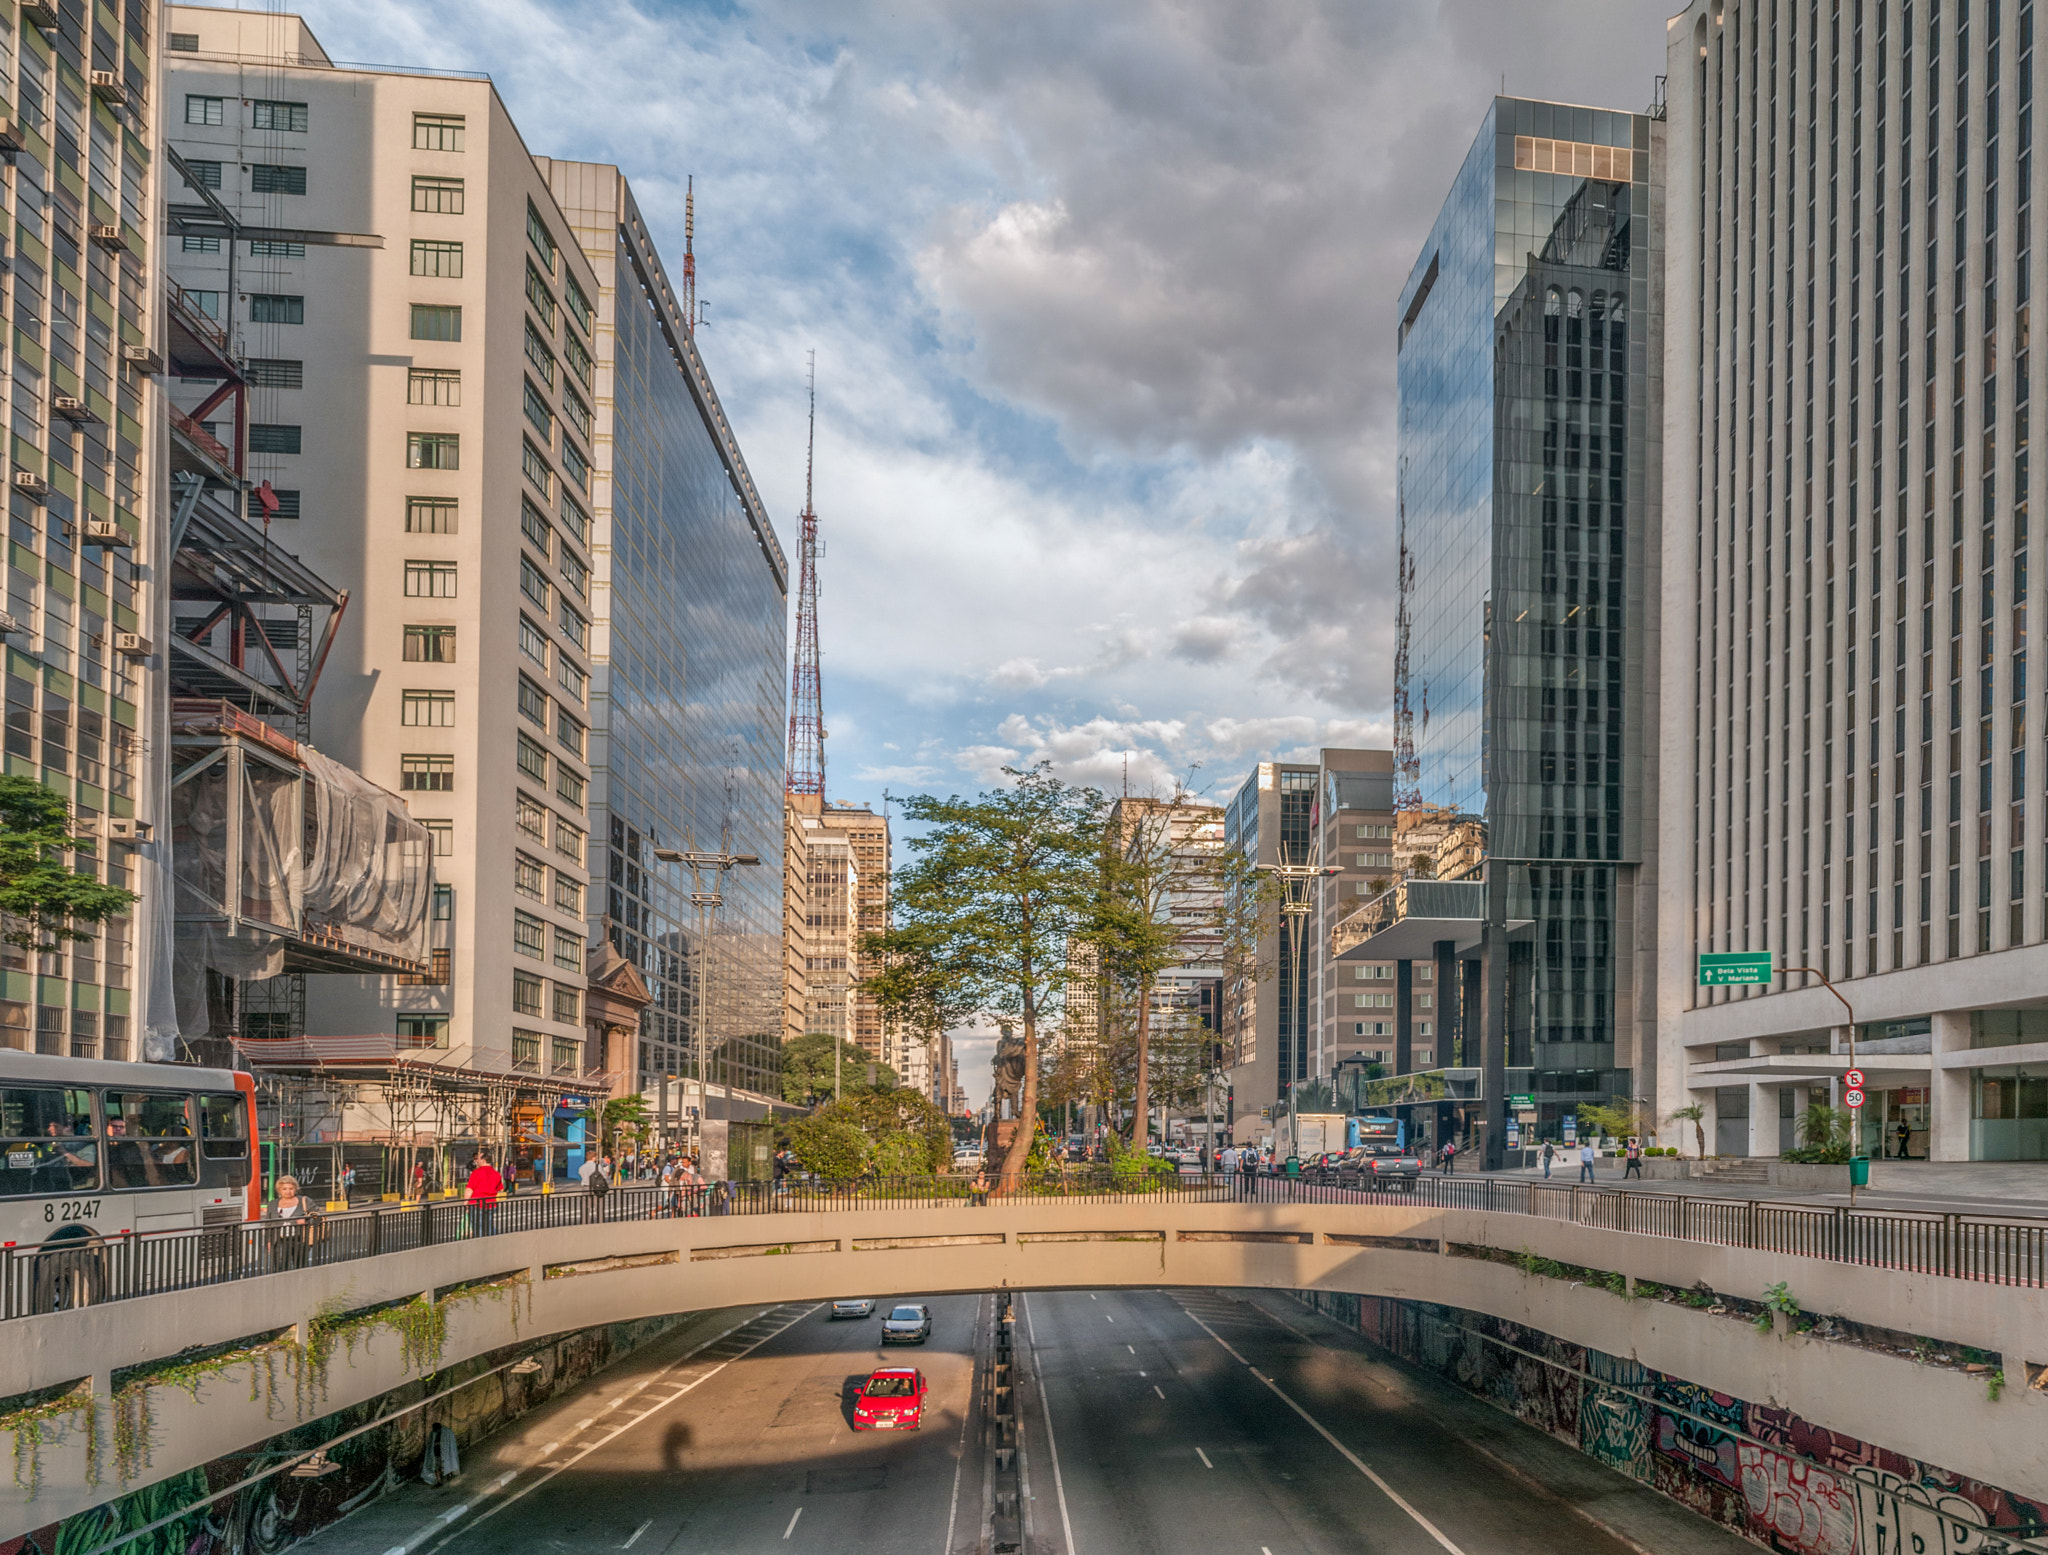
{"points": [[184, 1350]]}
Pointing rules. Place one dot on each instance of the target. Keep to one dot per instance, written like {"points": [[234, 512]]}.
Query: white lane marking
{"points": [[1132, 1348], [1108, 1318], [1091, 1295], [1321, 1430], [549, 1450], [1045, 1407], [1264, 1551], [501, 1481], [636, 1534], [793, 1516], [617, 1431], [1155, 1389], [584, 1425], [1205, 1458]]}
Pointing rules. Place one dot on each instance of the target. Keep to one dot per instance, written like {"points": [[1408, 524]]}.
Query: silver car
{"points": [[853, 1306], [909, 1323]]}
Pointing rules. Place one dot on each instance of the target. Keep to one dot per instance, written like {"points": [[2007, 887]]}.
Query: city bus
{"points": [[91, 1150]]}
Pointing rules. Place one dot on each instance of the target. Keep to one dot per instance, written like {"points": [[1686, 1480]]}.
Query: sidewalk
{"points": [[2018, 1188]]}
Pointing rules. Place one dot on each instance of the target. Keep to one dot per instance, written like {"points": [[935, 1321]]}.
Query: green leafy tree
{"points": [[807, 1073], [997, 886], [621, 1117], [1695, 1114], [42, 900], [895, 1133], [830, 1143], [1617, 1120]]}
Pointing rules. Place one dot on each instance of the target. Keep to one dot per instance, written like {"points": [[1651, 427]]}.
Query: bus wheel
{"points": [[69, 1272]]}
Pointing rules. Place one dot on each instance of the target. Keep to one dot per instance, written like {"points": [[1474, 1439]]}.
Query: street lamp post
{"points": [[1855, 1113], [719, 865]]}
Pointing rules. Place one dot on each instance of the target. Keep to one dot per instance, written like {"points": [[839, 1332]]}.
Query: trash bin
{"points": [[1859, 1171]]}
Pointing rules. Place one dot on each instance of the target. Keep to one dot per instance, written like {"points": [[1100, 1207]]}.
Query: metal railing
{"points": [[81, 1272]]}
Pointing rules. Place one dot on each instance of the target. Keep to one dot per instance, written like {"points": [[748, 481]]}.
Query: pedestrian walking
{"points": [[1586, 1160], [484, 1187], [1634, 1154], [1905, 1131], [1450, 1157], [598, 1184], [1549, 1154], [348, 1182], [419, 1180], [299, 1223]]}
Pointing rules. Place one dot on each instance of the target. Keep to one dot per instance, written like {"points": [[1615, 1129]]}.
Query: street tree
{"points": [[808, 1075], [43, 901], [996, 887]]}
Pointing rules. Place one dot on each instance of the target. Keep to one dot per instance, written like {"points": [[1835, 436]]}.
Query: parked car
{"points": [[852, 1306], [892, 1399], [909, 1323]]}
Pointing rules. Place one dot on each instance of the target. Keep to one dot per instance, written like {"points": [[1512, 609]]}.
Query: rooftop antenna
{"points": [[690, 254], [806, 764]]}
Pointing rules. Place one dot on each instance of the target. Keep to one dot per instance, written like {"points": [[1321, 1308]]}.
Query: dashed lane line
{"points": [[1205, 1458]]}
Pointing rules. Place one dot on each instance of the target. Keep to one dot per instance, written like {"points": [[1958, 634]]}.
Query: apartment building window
{"points": [[529, 935], [444, 904], [433, 386], [573, 624], [276, 178], [529, 877], [531, 817], [434, 258], [533, 523], [430, 645], [527, 993], [575, 467], [184, 43], [569, 785], [533, 583], [433, 450], [533, 759], [287, 504], [267, 113], [267, 437], [568, 1012], [541, 298], [579, 305], [535, 464], [437, 131], [195, 244], [276, 248], [568, 894], [422, 1031], [537, 234], [205, 110], [579, 359], [276, 308], [570, 677], [442, 835], [437, 196], [427, 709], [430, 515], [538, 411], [533, 642], [576, 521], [431, 321], [568, 840], [525, 1049], [577, 413], [205, 172], [568, 733], [539, 355], [275, 372], [569, 949], [533, 703], [1372, 1001], [574, 573], [426, 774]]}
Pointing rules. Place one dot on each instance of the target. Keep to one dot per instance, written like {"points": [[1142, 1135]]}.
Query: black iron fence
{"points": [[87, 1270]]}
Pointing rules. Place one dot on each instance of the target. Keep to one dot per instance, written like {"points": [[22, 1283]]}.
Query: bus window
{"points": [[47, 1143], [149, 1140], [225, 1126]]}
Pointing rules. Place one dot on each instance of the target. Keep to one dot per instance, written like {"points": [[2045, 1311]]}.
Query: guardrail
{"points": [[84, 1272]]}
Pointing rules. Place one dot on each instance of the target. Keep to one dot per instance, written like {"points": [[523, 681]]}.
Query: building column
{"points": [[1448, 987], [1948, 1090], [1763, 1121], [1493, 1042], [1404, 1017]]}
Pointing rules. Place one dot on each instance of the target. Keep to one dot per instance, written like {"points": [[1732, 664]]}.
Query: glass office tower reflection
{"points": [[688, 683], [1529, 409]]}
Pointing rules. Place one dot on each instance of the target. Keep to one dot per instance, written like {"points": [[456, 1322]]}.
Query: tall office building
{"points": [[1530, 434], [1855, 763], [1266, 1011], [688, 607], [867, 839]]}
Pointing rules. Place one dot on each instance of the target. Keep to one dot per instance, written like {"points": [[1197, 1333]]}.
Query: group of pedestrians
{"points": [[1632, 1157]]}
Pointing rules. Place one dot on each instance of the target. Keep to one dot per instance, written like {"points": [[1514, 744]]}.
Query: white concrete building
{"points": [[1852, 746]]}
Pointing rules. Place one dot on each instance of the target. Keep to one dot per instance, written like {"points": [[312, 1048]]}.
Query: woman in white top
{"points": [[288, 1250]]}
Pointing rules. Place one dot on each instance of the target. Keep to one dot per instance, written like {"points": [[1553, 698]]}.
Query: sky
{"points": [[1102, 295]]}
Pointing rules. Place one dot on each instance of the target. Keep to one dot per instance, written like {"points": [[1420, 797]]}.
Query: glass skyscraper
{"points": [[1530, 399]]}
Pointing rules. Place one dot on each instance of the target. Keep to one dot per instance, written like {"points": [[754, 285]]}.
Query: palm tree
{"points": [[1694, 1114]]}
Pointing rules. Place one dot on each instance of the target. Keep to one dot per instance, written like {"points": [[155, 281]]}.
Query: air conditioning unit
{"points": [[40, 13], [143, 359], [133, 645], [108, 236], [31, 485], [104, 531], [108, 86], [123, 829], [72, 408]]}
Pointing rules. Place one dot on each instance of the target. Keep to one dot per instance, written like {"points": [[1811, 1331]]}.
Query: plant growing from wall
{"points": [[1994, 1385], [1778, 1298]]}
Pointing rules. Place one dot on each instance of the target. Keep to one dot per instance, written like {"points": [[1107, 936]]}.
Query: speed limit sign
{"points": [[1854, 1098], [1854, 1080]]}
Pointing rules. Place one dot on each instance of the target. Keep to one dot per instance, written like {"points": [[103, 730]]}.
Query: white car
{"points": [[852, 1306]]}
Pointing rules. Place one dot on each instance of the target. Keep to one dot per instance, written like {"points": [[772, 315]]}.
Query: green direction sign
{"points": [[1521, 1103], [1739, 966]]}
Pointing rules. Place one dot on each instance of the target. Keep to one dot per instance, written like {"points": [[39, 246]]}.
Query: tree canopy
{"points": [[896, 1133], [42, 900], [807, 1070]]}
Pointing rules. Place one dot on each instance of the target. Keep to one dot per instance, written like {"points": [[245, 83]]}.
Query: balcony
{"points": [[1407, 922]]}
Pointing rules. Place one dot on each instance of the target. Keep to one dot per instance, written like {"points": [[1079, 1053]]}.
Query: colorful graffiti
{"points": [[1779, 1480]]}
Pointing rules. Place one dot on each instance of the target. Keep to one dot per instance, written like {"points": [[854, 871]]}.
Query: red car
{"points": [[890, 1400]]}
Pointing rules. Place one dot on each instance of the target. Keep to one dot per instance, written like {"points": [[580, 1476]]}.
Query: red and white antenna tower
{"points": [[690, 255], [806, 707]]}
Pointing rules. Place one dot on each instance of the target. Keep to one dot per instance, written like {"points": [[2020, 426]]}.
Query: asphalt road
{"points": [[1187, 1422]]}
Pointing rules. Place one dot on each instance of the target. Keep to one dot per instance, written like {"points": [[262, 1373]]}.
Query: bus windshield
{"points": [[46, 1141]]}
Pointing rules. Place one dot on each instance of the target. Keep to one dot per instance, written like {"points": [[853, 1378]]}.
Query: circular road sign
{"points": [[1854, 1079], [1854, 1098]]}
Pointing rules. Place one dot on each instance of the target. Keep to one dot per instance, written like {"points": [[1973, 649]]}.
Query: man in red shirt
{"points": [[484, 1187]]}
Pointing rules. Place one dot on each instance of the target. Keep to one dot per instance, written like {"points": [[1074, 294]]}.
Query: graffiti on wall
{"points": [[1779, 1480]]}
